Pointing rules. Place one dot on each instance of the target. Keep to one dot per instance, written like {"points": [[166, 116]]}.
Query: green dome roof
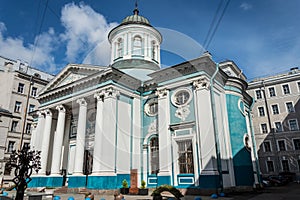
{"points": [[135, 19]]}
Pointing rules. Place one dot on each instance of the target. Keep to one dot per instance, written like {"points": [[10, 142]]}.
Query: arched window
{"points": [[137, 45], [154, 155], [153, 50], [119, 48]]}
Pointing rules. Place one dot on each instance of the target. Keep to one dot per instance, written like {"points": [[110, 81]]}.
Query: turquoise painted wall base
{"points": [[107, 182], [161, 180], [38, 181], [76, 181]]}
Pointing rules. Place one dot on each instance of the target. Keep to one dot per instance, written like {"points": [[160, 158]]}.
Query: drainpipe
{"points": [[216, 134], [254, 145]]}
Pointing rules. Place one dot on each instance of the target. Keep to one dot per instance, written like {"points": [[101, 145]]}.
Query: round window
{"points": [[151, 107], [181, 97]]}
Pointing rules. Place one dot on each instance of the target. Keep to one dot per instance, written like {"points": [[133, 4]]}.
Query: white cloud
{"points": [[85, 32], [246, 6], [39, 56]]}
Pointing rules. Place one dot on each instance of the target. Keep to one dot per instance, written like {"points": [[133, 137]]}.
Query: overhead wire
{"points": [[209, 38], [36, 41]]}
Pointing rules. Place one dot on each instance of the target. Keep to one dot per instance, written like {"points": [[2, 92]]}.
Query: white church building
{"points": [[188, 125]]}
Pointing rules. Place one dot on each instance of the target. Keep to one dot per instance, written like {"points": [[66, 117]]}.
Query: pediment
{"points": [[70, 74]]}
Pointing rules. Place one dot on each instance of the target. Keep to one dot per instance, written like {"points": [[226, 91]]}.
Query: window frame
{"points": [[281, 127], [264, 130], [21, 88], [152, 149], [270, 146], [273, 92], [272, 164], [296, 123], [28, 130], [284, 89], [34, 91], [188, 167], [288, 108], [14, 125], [11, 146], [279, 146], [277, 107], [137, 50], [283, 162], [298, 144], [18, 107], [258, 95], [261, 114]]}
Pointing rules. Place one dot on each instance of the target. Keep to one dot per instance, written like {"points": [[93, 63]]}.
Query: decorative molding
{"points": [[161, 93], [48, 112], [61, 108], [178, 98], [81, 102], [99, 95], [202, 83], [111, 93], [153, 127], [183, 112]]}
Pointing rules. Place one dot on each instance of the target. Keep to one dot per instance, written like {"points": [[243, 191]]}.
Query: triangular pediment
{"points": [[70, 74]]}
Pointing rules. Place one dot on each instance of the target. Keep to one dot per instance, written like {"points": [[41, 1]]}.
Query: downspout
{"points": [[216, 134], [254, 145]]}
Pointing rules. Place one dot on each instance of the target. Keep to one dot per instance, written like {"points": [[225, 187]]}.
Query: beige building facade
{"points": [[19, 85], [276, 118]]}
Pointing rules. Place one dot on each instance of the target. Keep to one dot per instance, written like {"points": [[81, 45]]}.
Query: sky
{"points": [[260, 36]]}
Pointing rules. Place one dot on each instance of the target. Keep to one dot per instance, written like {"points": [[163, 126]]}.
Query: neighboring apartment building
{"points": [[19, 85], [276, 117]]}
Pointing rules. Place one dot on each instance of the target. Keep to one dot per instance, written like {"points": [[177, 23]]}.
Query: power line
{"points": [[217, 25], [212, 23], [39, 32]]}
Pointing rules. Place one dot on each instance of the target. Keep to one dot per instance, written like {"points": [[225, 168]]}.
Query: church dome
{"points": [[135, 19]]}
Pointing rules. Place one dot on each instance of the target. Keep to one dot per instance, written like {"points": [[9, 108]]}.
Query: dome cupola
{"points": [[135, 46]]}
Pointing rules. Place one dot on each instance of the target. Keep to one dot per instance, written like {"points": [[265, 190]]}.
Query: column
{"points": [[33, 135], [58, 140], [80, 137], [46, 141], [37, 141], [98, 134], [165, 155], [108, 145]]}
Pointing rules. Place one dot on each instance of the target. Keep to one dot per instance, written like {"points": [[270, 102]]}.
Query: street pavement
{"points": [[287, 192]]}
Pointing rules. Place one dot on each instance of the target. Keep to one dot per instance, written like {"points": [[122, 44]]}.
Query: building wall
{"points": [[272, 136]]}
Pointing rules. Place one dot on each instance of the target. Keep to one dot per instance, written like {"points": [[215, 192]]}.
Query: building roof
{"points": [[135, 19]]}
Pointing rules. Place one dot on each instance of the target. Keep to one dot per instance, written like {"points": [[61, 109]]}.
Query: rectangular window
{"points": [[11, 146], [272, 92], [18, 106], [293, 124], [296, 144], [185, 157], [285, 165], [154, 155], [286, 89], [26, 145], [270, 166], [281, 145], [267, 146], [31, 108], [278, 127], [258, 94], [289, 107], [14, 126], [264, 128], [275, 109], [28, 128], [261, 111], [21, 87], [34, 91]]}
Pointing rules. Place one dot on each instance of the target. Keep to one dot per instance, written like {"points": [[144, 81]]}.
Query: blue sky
{"points": [[260, 36]]}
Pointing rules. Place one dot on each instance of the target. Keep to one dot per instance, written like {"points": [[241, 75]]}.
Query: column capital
{"points": [[41, 113], [61, 108], [48, 112], [202, 83], [161, 93], [99, 95], [81, 102], [111, 92]]}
